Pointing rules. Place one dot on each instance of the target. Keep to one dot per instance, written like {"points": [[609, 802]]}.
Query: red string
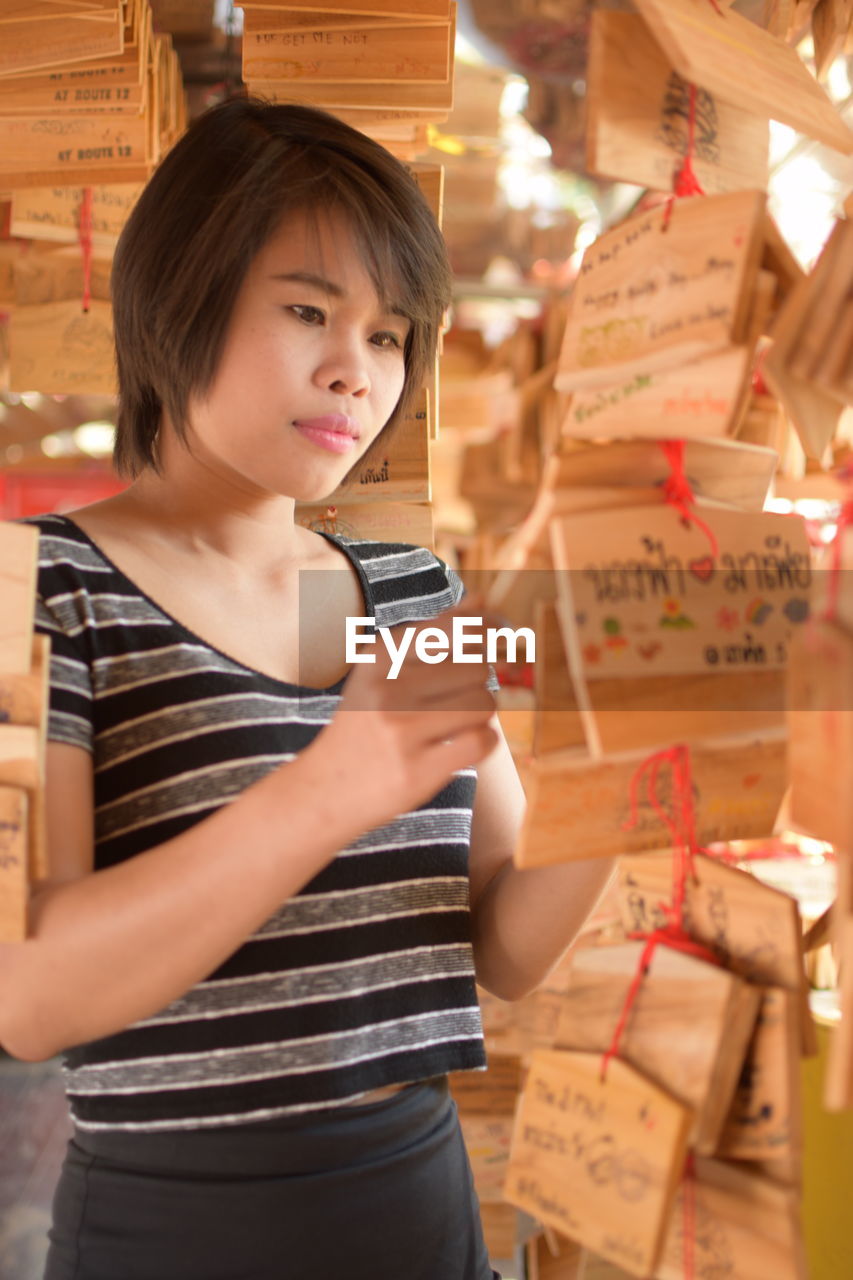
{"points": [[685, 182], [85, 237], [678, 493]]}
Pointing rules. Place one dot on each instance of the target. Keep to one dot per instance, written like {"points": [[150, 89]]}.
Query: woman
{"points": [[271, 881]]}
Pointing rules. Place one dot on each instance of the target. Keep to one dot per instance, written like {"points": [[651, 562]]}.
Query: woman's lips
{"points": [[334, 432]]}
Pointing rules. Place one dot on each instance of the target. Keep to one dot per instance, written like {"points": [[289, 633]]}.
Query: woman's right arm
{"points": [[107, 948]]}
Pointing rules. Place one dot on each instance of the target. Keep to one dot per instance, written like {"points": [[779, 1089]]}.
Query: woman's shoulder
{"points": [[402, 575]]}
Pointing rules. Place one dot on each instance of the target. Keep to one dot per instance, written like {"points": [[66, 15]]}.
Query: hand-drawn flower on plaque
{"points": [[591, 654], [727, 618], [673, 619]]}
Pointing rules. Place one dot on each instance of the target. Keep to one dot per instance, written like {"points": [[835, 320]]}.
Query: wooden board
{"points": [[57, 349], [745, 1226], [577, 808], [702, 398], [637, 116], [395, 8], [29, 45], [838, 1083], [688, 1029], [740, 63], [18, 564], [56, 275], [73, 150], [722, 470], [754, 929], [820, 732], [765, 1120], [14, 890], [558, 724], [381, 521], [53, 213], [392, 94], [401, 471], [598, 1160], [663, 288], [639, 595], [373, 55]]}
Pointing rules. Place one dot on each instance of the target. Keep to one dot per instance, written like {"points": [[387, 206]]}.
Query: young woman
{"points": [[272, 881]]}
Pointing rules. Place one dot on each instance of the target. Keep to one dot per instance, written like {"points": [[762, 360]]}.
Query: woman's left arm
{"points": [[522, 920]]}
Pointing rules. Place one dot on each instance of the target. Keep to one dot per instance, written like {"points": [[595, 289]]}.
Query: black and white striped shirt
{"points": [[362, 979]]}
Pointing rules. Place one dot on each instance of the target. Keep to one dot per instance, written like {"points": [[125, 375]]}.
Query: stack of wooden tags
{"points": [[709, 1063], [90, 99], [24, 659], [87, 94], [385, 66], [657, 625], [820, 723]]}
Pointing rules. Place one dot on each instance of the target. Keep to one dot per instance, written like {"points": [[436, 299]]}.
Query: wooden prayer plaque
{"points": [[820, 732], [18, 564], [373, 55], [640, 595], [558, 724], [745, 1226], [14, 890], [29, 45], [598, 1160], [409, 522], [401, 471], [719, 470], [388, 95], [578, 808], [740, 63], [765, 1121], [699, 1066], [663, 288], [702, 398], [754, 929], [436, 9], [60, 349], [637, 116]]}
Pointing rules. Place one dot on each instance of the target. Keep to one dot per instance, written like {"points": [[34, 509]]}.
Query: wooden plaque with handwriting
{"points": [[637, 116], [578, 808], [663, 288], [598, 1160], [740, 63], [700, 1067]]}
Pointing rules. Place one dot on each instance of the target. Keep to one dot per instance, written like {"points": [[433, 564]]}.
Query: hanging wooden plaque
{"points": [[391, 94], [702, 398], [663, 288], [400, 472], [373, 55], [598, 1159], [637, 116], [558, 724], [438, 9], [765, 1120], [740, 63], [820, 732], [60, 349], [18, 562], [639, 595], [744, 1226], [754, 929], [688, 1028], [29, 45], [409, 522], [578, 808]]}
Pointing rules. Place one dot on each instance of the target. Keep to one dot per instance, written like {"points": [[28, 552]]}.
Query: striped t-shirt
{"points": [[365, 977]]}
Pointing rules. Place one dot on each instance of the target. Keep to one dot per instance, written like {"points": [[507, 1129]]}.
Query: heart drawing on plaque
{"points": [[702, 568]]}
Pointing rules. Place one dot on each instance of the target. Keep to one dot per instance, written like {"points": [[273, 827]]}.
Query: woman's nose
{"points": [[344, 371]]}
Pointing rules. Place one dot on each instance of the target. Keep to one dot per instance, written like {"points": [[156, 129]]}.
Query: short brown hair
{"points": [[207, 211]]}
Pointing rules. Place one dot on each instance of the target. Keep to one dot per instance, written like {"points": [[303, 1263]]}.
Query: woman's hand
{"points": [[395, 742]]}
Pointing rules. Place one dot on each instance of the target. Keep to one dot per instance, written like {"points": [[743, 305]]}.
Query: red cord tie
{"points": [[678, 493], [85, 238], [685, 182]]}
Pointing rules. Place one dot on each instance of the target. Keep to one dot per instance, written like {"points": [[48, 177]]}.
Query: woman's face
{"points": [[311, 370]]}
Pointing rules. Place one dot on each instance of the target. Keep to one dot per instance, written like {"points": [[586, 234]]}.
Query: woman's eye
{"points": [[387, 339], [310, 315]]}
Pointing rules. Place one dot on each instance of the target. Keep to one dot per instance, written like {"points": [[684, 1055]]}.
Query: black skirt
{"points": [[375, 1192]]}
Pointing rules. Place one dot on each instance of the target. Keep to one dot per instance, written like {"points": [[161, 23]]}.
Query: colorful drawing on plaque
{"points": [[628, 578]]}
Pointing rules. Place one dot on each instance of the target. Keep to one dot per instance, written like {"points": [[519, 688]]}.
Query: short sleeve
{"points": [[70, 706]]}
